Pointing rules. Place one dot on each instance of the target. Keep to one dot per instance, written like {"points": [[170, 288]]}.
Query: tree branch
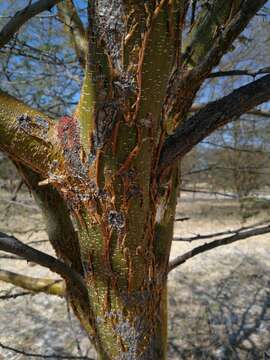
{"points": [[43, 356], [217, 234], [12, 245], [60, 229], [27, 135], [48, 286], [265, 70], [9, 296], [255, 112], [213, 193], [211, 117], [243, 13], [211, 37], [74, 27], [22, 16], [204, 30], [179, 260]]}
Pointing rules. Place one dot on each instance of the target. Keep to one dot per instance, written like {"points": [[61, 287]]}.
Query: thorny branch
{"points": [[179, 260]]}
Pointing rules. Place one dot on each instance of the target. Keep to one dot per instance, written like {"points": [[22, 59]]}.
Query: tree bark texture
{"points": [[102, 165]]}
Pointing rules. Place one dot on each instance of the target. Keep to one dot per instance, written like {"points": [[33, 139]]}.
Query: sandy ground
{"points": [[219, 302]]}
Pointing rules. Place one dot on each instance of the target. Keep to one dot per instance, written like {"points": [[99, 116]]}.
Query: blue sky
{"points": [[208, 92]]}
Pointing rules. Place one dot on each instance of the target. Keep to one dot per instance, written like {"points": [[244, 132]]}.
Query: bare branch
{"points": [[44, 356], [18, 203], [179, 260], [265, 70], [16, 191], [243, 150], [204, 30], [213, 116], [10, 257], [221, 233], [256, 112], [210, 38], [48, 286], [182, 219], [208, 192], [226, 36], [74, 27], [22, 16], [14, 296], [74, 333], [37, 242], [12, 245]]}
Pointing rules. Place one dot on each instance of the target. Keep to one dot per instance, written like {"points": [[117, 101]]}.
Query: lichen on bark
{"points": [[102, 167]]}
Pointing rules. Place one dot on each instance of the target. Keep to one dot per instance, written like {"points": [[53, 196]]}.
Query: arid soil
{"points": [[219, 301]]}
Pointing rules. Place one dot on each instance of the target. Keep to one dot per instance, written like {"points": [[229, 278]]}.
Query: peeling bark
{"points": [[113, 167]]}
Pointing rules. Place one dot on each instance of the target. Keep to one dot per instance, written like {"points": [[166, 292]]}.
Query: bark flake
{"points": [[116, 220]]}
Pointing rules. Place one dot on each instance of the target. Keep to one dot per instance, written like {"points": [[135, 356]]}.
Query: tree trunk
{"points": [[127, 284], [121, 248], [124, 215], [125, 225], [113, 165]]}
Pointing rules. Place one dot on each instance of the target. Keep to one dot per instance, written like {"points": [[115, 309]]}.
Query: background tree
{"points": [[234, 161], [113, 165]]}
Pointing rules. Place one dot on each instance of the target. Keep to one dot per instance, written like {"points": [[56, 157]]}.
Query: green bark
{"points": [[102, 165], [127, 290], [26, 134], [208, 26]]}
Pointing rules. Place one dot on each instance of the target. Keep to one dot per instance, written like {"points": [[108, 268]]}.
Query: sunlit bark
{"points": [[111, 166], [48, 286]]}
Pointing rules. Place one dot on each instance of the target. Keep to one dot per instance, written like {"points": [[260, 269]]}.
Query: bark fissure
{"points": [[113, 165]]}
